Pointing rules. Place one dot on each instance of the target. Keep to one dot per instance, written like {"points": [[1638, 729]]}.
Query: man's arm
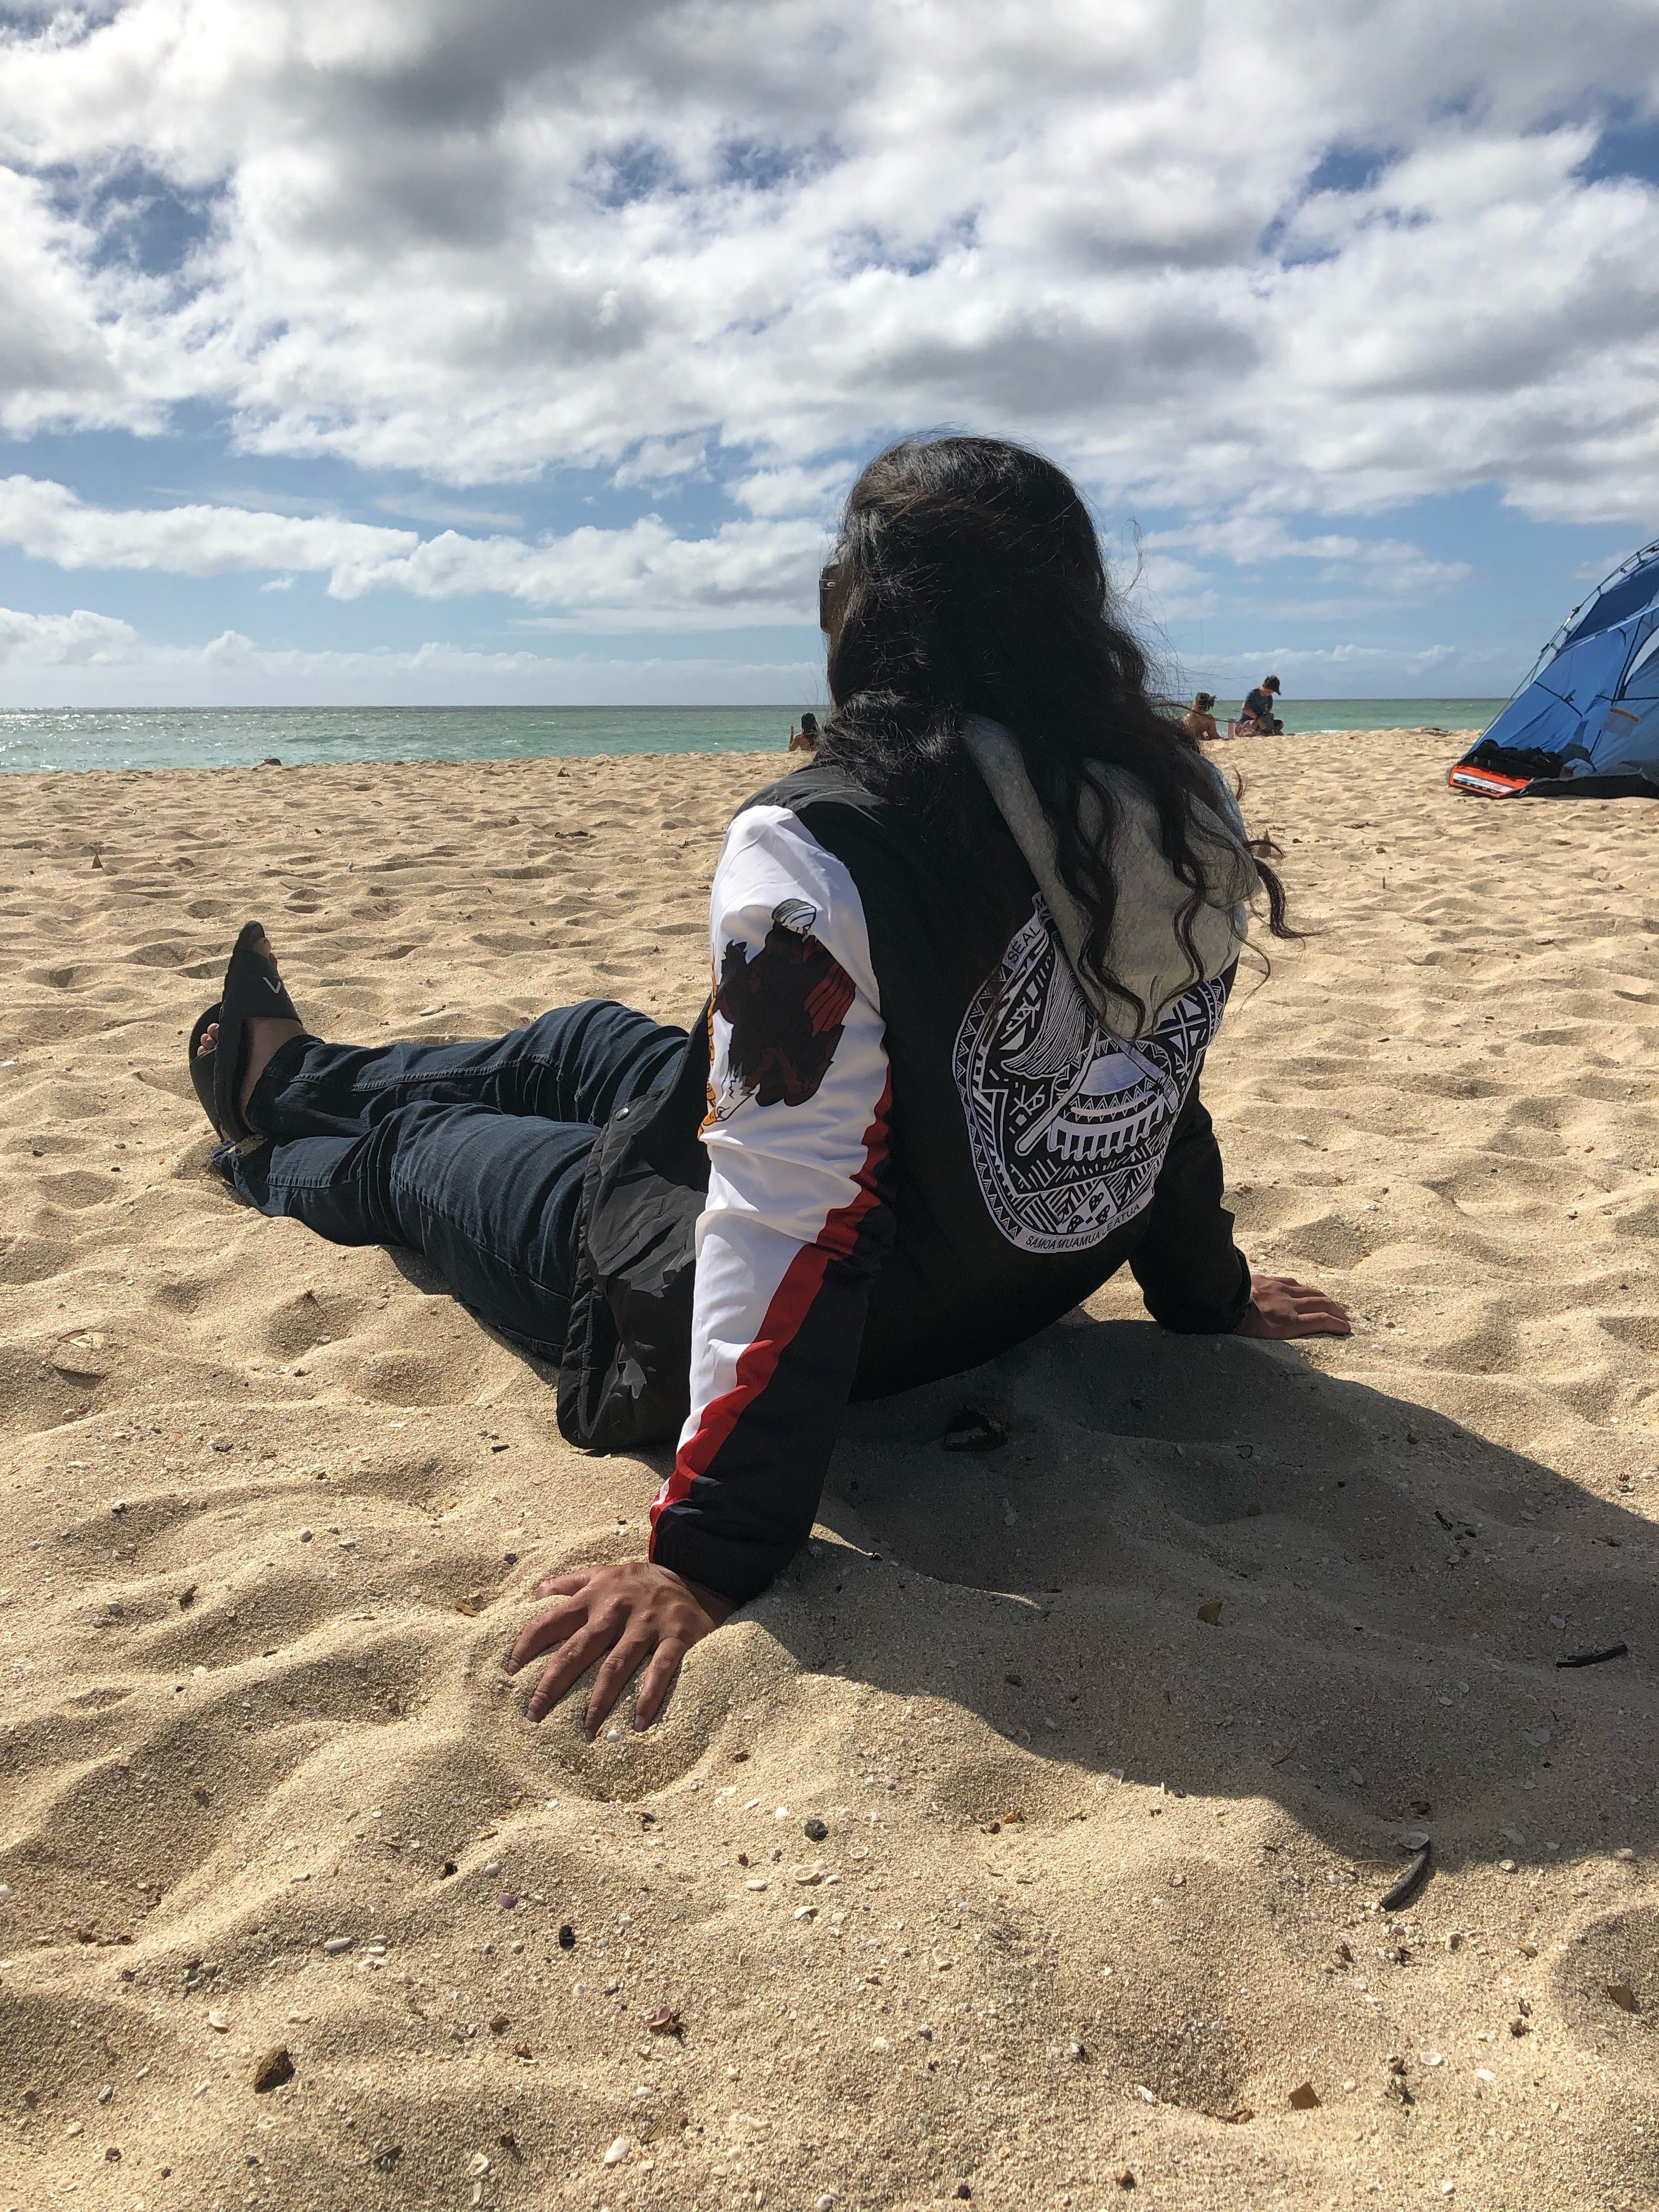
{"points": [[797, 1219], [796, 1223], [1193, 1278]]}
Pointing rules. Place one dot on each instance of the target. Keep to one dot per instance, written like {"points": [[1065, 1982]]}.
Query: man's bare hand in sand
{"points": [[1280, 1307], [631, 1615]]}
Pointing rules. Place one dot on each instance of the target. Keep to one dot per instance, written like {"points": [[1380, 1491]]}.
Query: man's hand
{"points": [[1280, 1307], [640, 1614]]}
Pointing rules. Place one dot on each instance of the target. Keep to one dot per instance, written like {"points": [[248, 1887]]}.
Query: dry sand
{"points": [[1099, 1890]]}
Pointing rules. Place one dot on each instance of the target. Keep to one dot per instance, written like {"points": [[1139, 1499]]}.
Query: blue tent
{"points": [[1585, 724]]}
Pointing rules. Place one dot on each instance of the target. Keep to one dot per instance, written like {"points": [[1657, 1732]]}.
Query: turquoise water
{"points": [[241, 737]]}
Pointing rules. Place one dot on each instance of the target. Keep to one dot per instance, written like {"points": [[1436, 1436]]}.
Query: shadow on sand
{"points": [[1395, 1594]]}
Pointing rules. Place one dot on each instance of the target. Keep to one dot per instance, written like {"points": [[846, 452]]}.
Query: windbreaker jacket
{"points": [[921, 1146]]}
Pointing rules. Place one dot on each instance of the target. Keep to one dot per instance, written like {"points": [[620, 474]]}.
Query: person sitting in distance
{"points": [[1199, 721], [1258, 720], [806, 739]]}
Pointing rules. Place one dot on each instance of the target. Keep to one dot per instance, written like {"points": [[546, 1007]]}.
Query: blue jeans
{"points": [[471, 1153]]}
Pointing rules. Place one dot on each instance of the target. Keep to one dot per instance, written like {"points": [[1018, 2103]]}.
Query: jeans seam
{"points": [[391, 1082]]}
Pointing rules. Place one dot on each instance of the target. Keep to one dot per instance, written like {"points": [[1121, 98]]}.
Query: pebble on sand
{"points": [[567, 1937], [335, 1944], [816, 1830], [619, 2150], [273, 2070], [219, 2021]]}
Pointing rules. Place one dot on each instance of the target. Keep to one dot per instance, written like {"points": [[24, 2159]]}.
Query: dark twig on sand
{"points": [[1595, 1658], [1409, 1882]]}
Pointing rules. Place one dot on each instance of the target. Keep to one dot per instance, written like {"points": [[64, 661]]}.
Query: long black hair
{"points": [[967, 578]]}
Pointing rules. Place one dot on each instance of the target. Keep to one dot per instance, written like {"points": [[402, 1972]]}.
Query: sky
{"points": [[484, 350]]}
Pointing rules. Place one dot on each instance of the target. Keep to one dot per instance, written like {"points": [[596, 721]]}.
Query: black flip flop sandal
{"points": [[252, 986]]}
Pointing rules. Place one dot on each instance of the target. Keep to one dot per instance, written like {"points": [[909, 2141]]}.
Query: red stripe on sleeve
{"points": [[790, 1304]]}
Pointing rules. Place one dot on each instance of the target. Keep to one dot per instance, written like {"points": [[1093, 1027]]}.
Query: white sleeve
{"points": [[796, 1218]]}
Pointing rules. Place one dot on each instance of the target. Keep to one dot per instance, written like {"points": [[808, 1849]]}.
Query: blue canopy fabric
{"points": [[1593, 699]]}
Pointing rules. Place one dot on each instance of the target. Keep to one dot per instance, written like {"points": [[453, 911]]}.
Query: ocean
{"points": [[242, 736]]}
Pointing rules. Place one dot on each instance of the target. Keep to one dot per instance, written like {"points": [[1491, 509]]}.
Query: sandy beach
{"points": [[1109, 1742]]}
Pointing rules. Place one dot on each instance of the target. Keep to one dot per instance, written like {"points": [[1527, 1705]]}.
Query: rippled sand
{"points": [[1098, 1892]]}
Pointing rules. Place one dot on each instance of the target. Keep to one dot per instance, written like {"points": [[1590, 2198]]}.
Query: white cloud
{"points": [[793, 491], [1476, 669], [481, 241], [81, 640], [1369, 574], [91, 659], [643, 575], [51, 524]]}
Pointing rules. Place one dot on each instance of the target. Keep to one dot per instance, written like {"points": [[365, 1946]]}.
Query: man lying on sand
{"points": [[967, 964]]}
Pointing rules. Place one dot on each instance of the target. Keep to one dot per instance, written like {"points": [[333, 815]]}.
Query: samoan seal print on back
{"points": [[1069, 1123]]}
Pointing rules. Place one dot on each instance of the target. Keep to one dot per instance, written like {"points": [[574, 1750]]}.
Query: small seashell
{"points": [[335, 1944], [618, 2150], [219, 2021]]}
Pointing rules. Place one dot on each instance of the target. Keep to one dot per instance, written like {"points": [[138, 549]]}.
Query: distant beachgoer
{"points": [[1258, 720], [806, 739], [968, 962], [1199, 721]]}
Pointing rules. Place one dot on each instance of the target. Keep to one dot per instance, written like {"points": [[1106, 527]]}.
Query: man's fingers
{"points": [[613, 1678], [542, 1631], [561, 1585], [659, 1679], [571, 1663]]}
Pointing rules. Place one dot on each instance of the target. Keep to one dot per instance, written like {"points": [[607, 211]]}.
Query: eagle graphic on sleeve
{"points": [[786, 1007]]}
